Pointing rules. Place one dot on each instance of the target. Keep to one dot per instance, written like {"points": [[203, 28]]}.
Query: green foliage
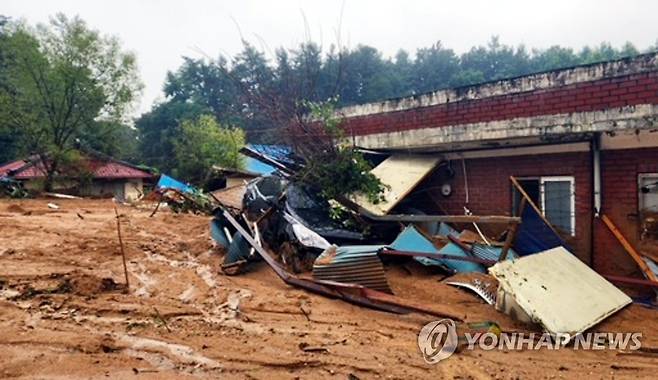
{"points": [[203, 143], [65, 82], [336, 168], [159, 128], [259, 94]]}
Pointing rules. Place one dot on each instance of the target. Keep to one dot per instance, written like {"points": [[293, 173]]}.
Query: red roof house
{"points": [[107, 176]]}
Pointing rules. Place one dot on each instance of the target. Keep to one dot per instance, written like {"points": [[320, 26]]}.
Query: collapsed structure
{"points": [[582, 141], [511, 186]]}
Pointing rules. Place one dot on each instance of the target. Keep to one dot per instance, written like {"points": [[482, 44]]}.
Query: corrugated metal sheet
{"points": [[352, 265], [558, 291], [401, 173], [487, 252]]}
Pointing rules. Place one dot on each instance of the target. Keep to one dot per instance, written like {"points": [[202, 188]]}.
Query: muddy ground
{"points": [[63, 313]]}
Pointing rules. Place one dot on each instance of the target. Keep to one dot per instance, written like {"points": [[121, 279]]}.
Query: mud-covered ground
{"points": [[63, 312]]}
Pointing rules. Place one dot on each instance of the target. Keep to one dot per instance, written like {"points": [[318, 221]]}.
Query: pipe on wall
{"points": [[596, 172]]}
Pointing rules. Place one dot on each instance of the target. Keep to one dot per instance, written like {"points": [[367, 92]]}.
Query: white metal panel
{"points": [[559, 291], [401, 173]]}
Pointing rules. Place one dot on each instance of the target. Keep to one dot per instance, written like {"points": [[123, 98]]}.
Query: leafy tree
{"points": [[159, 128], [207, 84], [331, 164], [65, 79], [434, 68], [203, 143], [552, 58], [8, 137]]}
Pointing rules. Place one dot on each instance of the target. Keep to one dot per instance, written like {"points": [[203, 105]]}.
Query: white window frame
{"points": [[640, 178], [572, 198]]}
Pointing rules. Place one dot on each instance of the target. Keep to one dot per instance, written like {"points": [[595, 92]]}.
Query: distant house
{"points": [[94, 175], [235, 177], [252, 169]]}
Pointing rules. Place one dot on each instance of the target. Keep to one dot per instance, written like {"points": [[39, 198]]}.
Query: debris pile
{"points": [[528, 272]]}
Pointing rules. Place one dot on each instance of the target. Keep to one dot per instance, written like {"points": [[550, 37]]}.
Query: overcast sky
{"points": [[160, 32]]}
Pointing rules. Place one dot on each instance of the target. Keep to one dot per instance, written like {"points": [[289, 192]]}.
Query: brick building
{"points": [[582, 141]]}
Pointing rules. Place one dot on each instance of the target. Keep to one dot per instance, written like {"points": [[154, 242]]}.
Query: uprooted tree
{"points": [[330, 162], [310, 127], [64, 82]]}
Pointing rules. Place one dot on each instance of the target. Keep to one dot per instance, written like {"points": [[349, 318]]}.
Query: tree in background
{"points": [[8, 139], [263, 95], [159, 128], [203, 143], [66, 82]]}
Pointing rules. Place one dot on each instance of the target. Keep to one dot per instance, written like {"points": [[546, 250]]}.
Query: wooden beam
{"points": [[631, 281], [511, 232], [629, 248], [447, 218], [525, 195]]}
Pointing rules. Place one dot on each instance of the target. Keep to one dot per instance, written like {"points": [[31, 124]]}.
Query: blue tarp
{"points": [[281, 153], [412, 240], [168, 182], [534, 235]]}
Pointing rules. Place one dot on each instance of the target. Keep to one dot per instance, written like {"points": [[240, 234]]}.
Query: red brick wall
{"points": [[490, 193], [580, 97], [490, 190], [620, 203]]}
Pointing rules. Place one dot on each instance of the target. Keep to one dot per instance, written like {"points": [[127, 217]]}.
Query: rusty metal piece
{"points": [[392, 252], [465, 248], [351, 293]]}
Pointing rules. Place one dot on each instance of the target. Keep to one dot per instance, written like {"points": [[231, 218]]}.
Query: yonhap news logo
{"points": [[438, 340]]}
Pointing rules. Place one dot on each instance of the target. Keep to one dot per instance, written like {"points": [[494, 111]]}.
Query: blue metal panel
{"points": [[252, 165], [412, 240], [168, 182]]}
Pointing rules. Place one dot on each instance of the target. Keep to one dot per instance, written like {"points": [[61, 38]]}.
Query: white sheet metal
{"points": [[306, 236], [558, 291], [401, 173]]}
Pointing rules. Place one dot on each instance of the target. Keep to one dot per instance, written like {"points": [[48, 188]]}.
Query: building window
{"points": [[555, 197], [648, 207]]}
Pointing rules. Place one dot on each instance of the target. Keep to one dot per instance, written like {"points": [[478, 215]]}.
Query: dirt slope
{"points": [[63, 313]]}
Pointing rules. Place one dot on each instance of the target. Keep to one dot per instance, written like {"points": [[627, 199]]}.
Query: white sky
{"points": [[160, 32]]}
